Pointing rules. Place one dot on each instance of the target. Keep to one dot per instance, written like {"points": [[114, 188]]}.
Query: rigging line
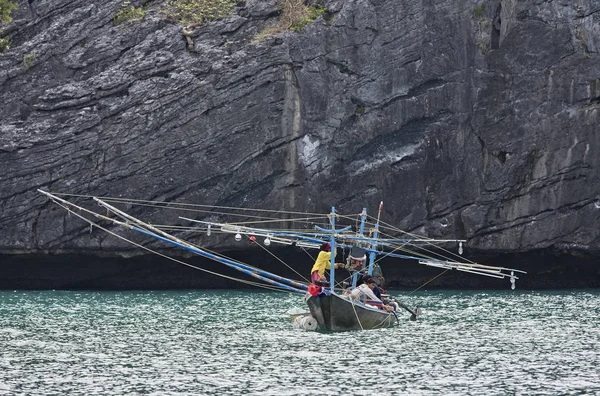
{"points": [[452, 254], [280, 260], [346, 279], [437, 255], [306, 251], [430, 280], [348, 217], [336, 284], [411, 252], [159, 206], [136, 201], [388, 318], [127, 223], [402, 249], [309, 220], [355, 313], [394, 228], [260, 219], [149, 227], [202, 230], [256, 284]]}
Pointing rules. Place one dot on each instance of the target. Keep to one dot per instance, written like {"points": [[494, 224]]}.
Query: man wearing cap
{"points": [[322, 263]]}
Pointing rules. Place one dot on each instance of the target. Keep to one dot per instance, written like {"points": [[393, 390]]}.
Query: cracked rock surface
{"points": [[468, 123]]}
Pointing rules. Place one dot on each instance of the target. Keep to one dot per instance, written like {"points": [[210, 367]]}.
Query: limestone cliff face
{"points": [[468, 121]]}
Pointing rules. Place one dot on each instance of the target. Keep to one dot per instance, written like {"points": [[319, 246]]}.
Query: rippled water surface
{"points": [[233, 342]]}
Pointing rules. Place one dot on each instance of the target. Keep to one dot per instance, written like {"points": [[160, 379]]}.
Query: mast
{"points": [[374, 240], [333, 249], [361, 232], [332, 246]]}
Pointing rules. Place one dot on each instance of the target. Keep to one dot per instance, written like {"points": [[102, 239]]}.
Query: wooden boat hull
{"points": [[335, 313]]}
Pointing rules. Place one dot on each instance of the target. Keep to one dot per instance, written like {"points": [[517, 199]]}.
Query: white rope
{"points": [[358, 319], [166, 235], [389, 315], [157, 203], [356, 313], [280, 260], [270, 287]]}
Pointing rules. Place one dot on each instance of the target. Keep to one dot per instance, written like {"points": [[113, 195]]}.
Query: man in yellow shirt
{"points": [[322, 263]]}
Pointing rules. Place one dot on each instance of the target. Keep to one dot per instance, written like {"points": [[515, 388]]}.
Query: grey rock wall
{"points": [[469, 122]]}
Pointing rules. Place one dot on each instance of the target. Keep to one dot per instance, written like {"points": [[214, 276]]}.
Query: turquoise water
{"points": [[232, 342]]}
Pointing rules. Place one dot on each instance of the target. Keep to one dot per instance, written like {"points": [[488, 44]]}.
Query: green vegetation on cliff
{"points": [[198, 12], [4, 44], [28, 61], [6, 9], [479, 11], [128, 13], [295, 15]]}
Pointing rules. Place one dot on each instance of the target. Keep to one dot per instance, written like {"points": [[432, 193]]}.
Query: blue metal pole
{"points": [[363, 218], [372, 255], [230, 263], [335, 231], [361, 231], [333, 247], [374, 240]]}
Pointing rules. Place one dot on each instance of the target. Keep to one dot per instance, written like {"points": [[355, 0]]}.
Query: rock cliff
{"points": [[476, 120]]}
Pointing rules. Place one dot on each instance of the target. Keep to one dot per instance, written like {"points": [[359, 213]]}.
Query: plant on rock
{"points": [[129, 13], [295, 15], [198, 12], [479, 11], [4, 44], [6, 9], [28, 61]]}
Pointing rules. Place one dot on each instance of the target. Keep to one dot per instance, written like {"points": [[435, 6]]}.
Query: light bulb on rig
{"points": [[512, 280], [238, 237], [267, 241]]}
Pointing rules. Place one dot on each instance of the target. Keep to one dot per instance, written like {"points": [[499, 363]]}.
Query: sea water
{"points": [[243, 342]]}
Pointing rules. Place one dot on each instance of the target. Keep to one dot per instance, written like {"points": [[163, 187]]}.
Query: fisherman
{"points": [[322, 263], [366, 290], [376, 290]]}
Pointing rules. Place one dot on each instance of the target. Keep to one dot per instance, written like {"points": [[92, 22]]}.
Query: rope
{"points": [[355, 313], [384, 320], [430, 280], [256, 284], [358, 319], [150, 228], [280, 260], [261, 219], [417, 237], [157, 203]]}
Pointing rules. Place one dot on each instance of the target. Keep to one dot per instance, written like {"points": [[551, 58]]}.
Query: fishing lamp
{"points": [[512, 280]]}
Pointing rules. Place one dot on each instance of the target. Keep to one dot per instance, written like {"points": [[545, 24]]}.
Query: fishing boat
{"points": [[330, 305]]}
